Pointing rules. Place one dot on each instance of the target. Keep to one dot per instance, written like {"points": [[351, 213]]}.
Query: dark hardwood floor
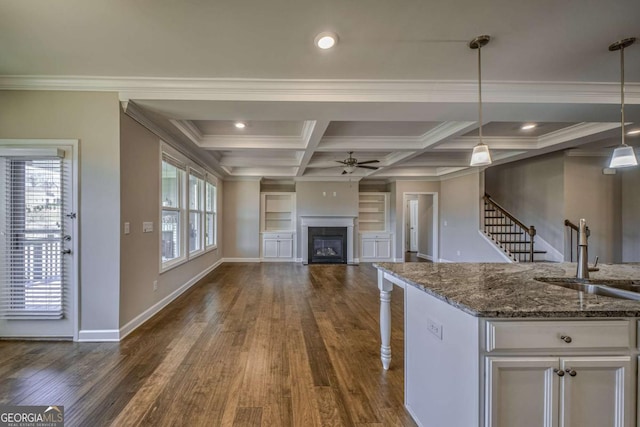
{"points": [[413, 257], [252, 344]]}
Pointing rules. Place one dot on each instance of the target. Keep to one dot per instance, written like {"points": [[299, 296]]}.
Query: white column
{"points": [[385, 319]]}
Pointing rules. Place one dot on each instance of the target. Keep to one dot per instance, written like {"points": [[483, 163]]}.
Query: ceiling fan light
{"points": [[350, 168], [623, 157], [480, 155]]}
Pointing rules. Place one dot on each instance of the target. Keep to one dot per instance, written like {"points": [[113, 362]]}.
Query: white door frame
{"points": [[434, 226], [416, 225], [75, 246]]}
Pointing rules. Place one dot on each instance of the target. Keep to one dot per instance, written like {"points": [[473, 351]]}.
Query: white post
{"points": [[385, 319]]}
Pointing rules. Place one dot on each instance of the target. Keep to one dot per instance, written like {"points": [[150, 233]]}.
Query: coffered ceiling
{"points": [[400, 86]]}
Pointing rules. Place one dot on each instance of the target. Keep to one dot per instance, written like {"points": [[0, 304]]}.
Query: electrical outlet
{"points": [[155, 285], [147, 227], [127, 228], [434, 328]]}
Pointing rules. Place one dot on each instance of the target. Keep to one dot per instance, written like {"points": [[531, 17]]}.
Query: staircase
{"points": [[508, 233]]}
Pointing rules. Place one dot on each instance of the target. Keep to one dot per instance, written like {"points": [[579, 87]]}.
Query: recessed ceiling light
{"points": [[528, 126], [240, 125], [326, 40], [634, 132]]}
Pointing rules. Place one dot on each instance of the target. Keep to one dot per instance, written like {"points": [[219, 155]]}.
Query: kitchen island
{"points": [[488, 344]]}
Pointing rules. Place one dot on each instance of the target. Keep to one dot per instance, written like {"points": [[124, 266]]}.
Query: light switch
{"points": [[127, 228], [335, 194], [147, 227]]}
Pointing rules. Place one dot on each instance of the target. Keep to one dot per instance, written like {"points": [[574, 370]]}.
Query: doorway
{"points": [[420, 227], [37, 240]]}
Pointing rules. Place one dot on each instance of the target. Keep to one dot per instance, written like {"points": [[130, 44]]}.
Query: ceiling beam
{"points": [[312, 136]]}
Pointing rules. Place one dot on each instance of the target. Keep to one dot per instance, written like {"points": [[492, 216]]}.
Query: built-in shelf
{"points": [[278, 211], [372, 212]]}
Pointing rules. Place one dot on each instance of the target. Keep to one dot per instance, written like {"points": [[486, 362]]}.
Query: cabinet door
{"points": [[521, 391], [285, 248], [270, 248], [596, 391], [383, 248], [368, 248]]}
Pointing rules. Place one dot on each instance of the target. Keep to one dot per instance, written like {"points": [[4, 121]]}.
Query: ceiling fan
{"points": [[351, 164]]}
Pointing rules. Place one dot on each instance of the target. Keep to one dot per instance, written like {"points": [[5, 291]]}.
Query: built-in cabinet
{"points": [[277, 226], [373, 223]]}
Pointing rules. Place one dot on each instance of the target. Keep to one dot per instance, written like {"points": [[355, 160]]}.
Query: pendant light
{"points": [[623, 156], [480, 155]]}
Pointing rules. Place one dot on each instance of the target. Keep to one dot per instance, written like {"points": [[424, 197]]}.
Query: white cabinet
{"points": [[277, 246], [375, 247], [559, 391], [278, 225]]}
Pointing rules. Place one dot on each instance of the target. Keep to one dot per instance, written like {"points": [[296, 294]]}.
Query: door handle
{"points": [[66, 252]]}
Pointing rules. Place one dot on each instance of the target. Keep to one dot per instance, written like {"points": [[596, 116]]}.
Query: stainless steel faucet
{"points": [[583, 257]]}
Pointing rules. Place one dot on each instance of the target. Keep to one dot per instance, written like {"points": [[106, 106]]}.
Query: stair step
{"points": [[495, 217], [489, 210], [506, 232], [514, 242], [526, 252]]}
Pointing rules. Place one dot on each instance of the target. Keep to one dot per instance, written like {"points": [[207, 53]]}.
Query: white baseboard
{"points": [[154, 309], [277, 260], [443, 260], [425, 256], [298, 259], [99, 335], [398, 260], [240, 259]]}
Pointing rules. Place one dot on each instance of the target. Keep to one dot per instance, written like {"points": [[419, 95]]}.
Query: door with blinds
{"points": [[36, 242]]}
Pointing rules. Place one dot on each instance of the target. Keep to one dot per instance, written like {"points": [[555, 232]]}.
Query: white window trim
{"points": [[206, 176], [178, 163], [198, 175], [213, 181]]}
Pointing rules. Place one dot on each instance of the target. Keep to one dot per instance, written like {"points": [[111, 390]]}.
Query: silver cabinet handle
{"points": [[571, 372], [566, 338], [559, 372]]}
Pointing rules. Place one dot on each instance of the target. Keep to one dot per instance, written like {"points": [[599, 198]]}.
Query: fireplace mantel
{"points": [[327, 221]]}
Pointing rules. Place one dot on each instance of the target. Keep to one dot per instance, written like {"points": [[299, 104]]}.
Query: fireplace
{"points": [[327, 245], [345, 224]]}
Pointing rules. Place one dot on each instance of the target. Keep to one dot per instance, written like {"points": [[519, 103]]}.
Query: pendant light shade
{"points": [[623, 156], [480, 155]]}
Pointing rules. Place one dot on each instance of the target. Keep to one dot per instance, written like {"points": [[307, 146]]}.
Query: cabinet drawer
{"points": [[277, 235], [558, 335]]}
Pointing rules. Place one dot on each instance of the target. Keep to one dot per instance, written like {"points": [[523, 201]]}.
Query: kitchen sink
{"points": [[625, 289]]}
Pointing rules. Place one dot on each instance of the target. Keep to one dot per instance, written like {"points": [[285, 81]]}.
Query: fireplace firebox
{"points": [[327, 245]]}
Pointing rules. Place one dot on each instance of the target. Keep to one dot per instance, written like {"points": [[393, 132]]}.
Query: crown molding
{"points": [[343, 178], [132, 110], [189, 130], [575, 132], [447, 91]]}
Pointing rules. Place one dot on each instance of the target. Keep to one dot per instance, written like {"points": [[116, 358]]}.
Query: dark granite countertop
{"points": [[510, 290]]}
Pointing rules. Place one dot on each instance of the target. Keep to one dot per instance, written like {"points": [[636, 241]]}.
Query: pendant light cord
{"points": [[480, 90], [622, 92]]}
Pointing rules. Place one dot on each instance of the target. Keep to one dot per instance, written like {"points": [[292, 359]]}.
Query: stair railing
{"points": [[573, 229], [508, 222]]}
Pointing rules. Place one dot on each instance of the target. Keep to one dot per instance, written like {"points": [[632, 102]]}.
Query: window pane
{"points": [[170, 235], [170, 185], [194, 232], [210, 229], [211, 198], [195, 185]]}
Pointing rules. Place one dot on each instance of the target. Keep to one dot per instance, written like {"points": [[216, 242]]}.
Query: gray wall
{"points": [[630, 214], [311, 201], [140, 201], [460, 210], [533, 190], [93, 118], [241, 219], [596, 197], [425, 224]]}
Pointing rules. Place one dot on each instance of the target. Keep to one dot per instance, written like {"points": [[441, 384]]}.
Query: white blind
{"points": [[32, 228]]}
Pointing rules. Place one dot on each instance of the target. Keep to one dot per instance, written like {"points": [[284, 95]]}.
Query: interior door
{"points": [[36, 239], [413, 226]]}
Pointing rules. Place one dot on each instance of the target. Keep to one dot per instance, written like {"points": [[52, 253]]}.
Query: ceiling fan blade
{"points": [[369, 161], [344, 172], [340, 161], [369, 167]]}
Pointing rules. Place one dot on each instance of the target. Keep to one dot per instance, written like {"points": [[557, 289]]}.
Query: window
{"points": [[211, 215], [172, 210], [196, 214]]}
